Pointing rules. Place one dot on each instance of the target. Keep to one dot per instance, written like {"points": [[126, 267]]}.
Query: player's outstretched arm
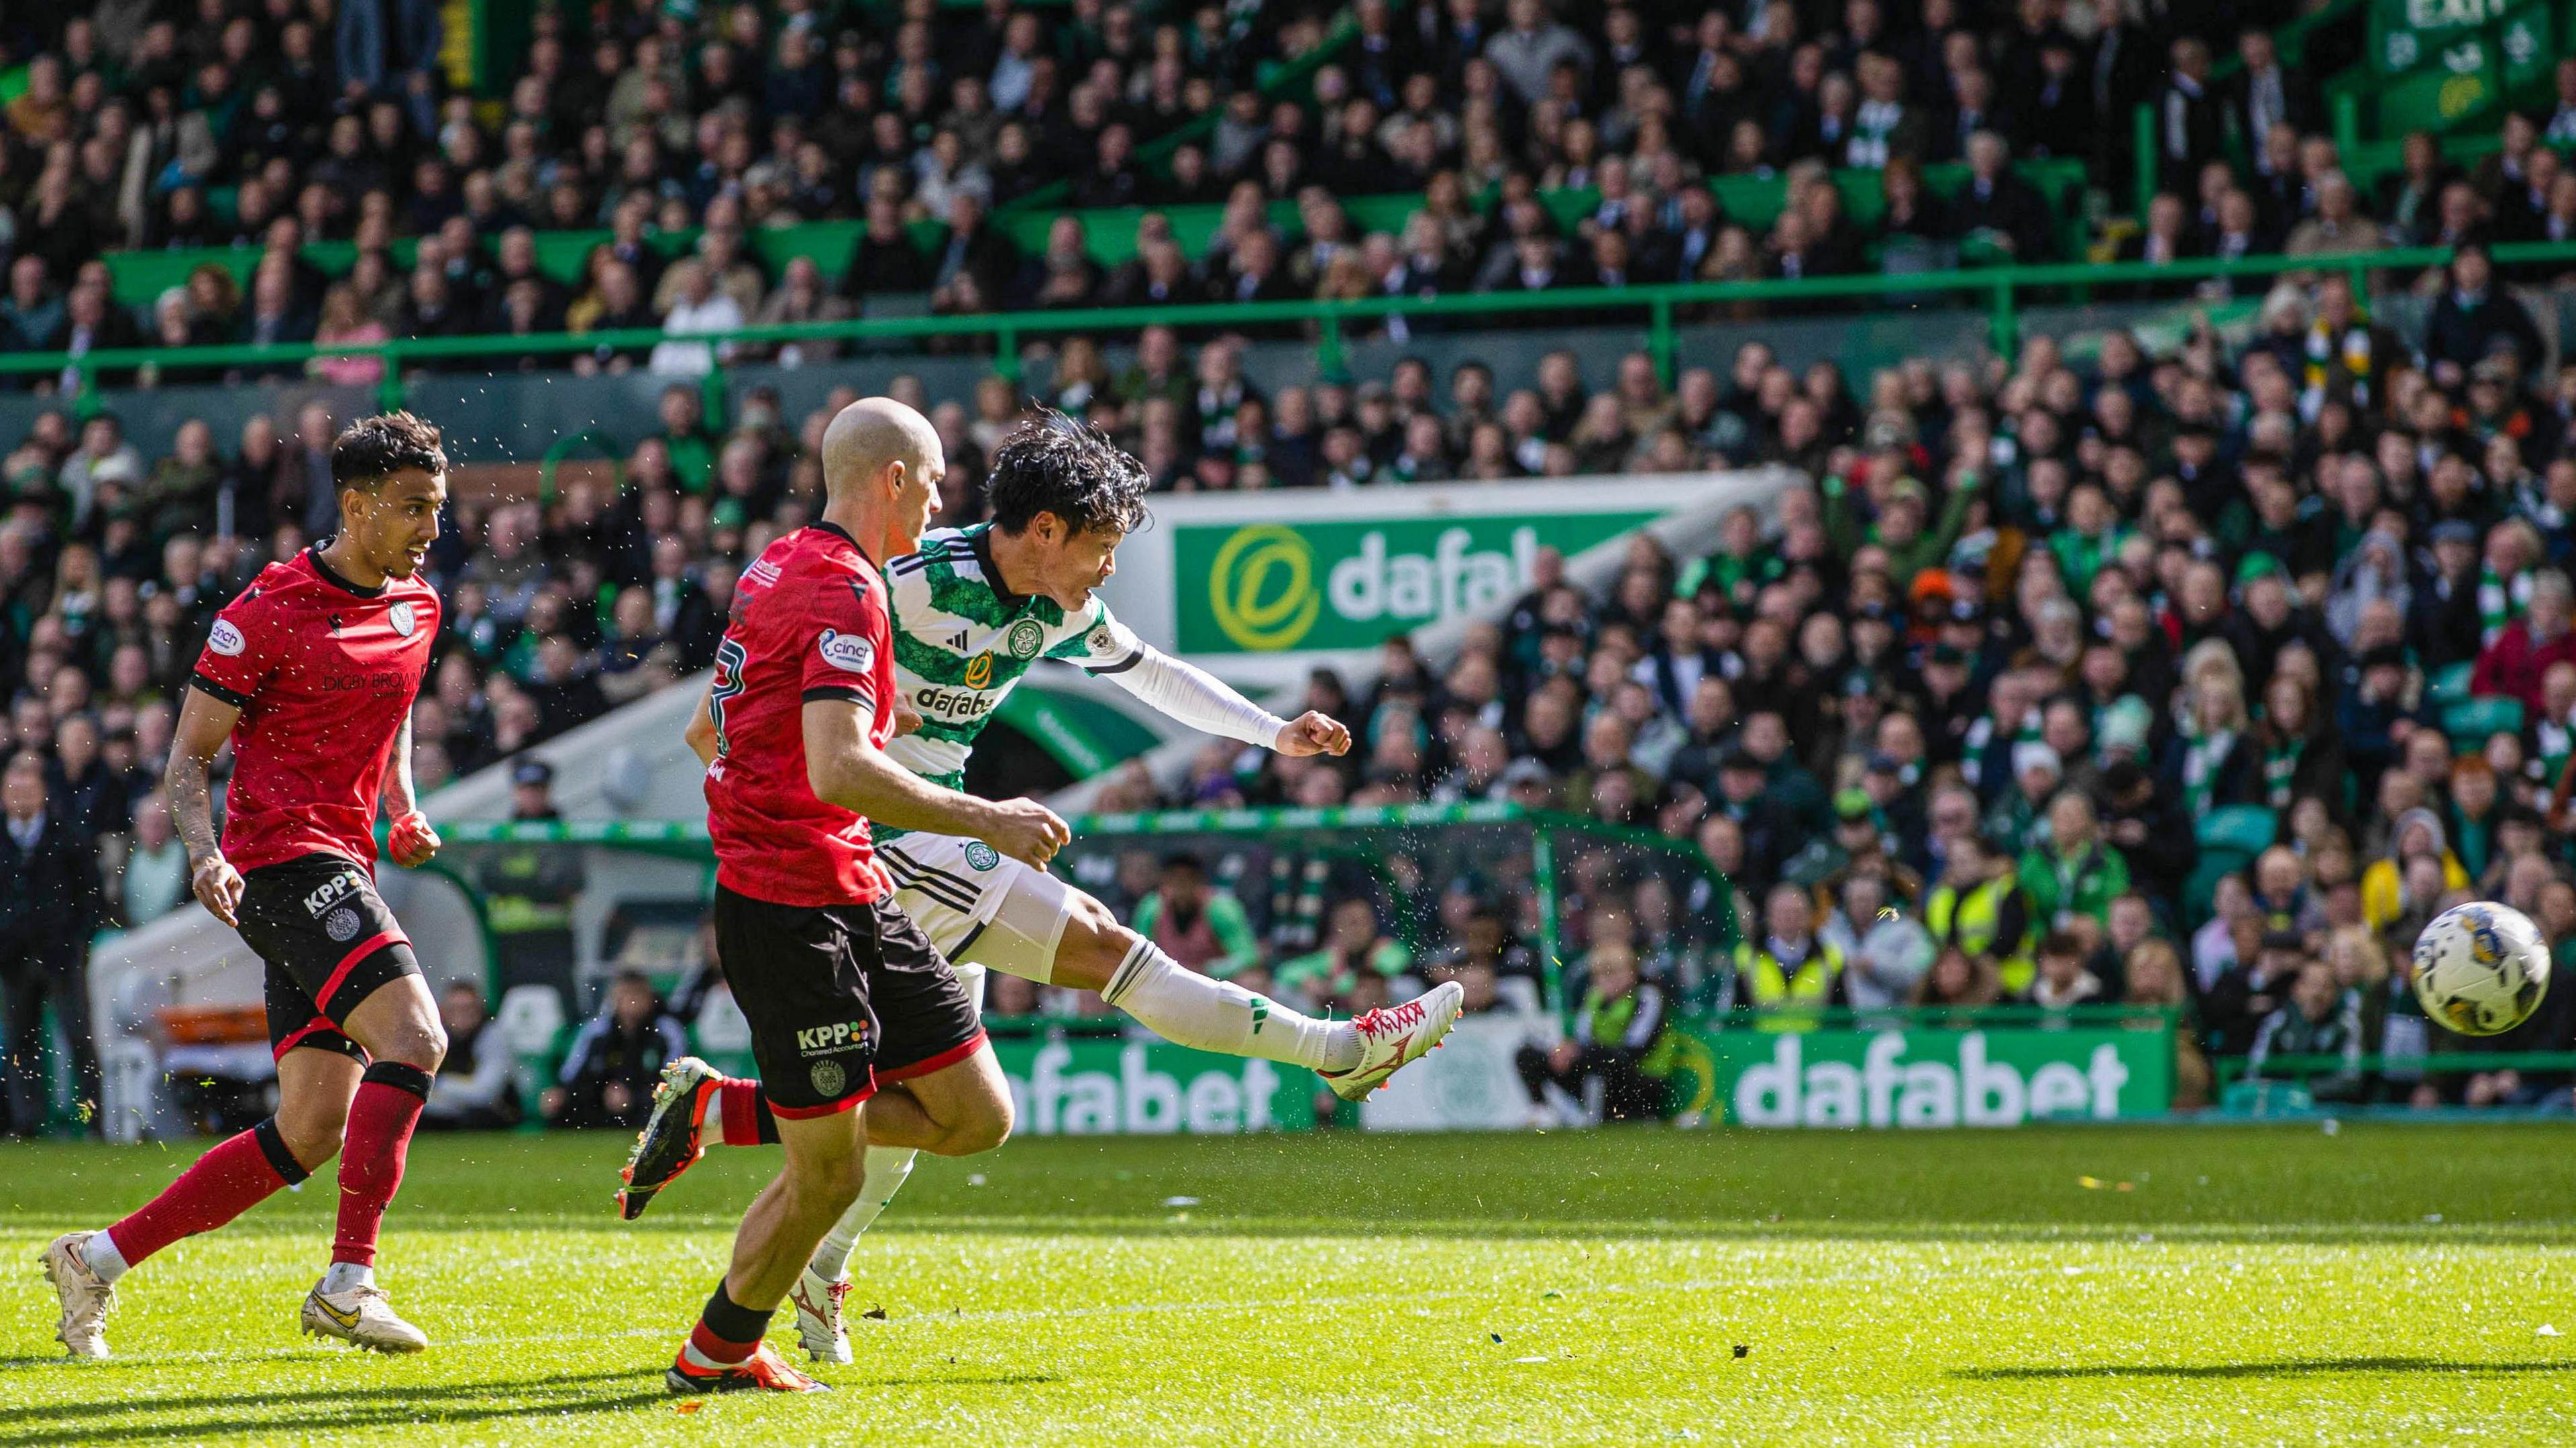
{"points": [[1185, 692], [845, 769], [204, 723]]}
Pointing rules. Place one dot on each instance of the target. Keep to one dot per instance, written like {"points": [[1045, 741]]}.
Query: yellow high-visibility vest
{"points": [[1785, 1000], [1971, 922]]}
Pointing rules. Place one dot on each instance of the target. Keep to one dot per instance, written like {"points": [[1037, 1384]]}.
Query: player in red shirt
{"points": [[311, 674], [843, 992]]}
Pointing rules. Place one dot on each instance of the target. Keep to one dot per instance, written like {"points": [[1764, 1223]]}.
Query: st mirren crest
{"points": [[403, 617], [829, 1078]]}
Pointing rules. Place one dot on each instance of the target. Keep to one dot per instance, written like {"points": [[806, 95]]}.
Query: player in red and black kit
{"points": [[844, 993], [311, 673]]}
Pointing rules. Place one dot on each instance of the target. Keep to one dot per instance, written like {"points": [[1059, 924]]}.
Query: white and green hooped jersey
{"points": [[961, 642]]}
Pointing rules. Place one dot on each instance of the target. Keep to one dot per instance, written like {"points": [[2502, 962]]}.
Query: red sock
{"points": [[747, 1118], [381, 1117], [240, 1173]]}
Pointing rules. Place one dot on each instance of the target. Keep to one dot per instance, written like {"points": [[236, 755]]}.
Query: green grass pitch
{"points": [[2382, 1283]]}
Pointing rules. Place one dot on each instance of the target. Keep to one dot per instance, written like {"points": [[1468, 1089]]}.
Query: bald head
{"points": [[882, 464], [871, 433]]}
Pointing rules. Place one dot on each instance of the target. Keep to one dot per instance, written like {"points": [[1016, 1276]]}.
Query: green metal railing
{"points": [[1943, 1018], [2004, 291]]}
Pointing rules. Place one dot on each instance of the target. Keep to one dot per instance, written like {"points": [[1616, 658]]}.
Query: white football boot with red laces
{"points": [[1393, 1037], [818, 1317]]}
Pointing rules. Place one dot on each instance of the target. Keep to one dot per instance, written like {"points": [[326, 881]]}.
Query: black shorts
{"points": [[841, 999], [329, 943]]}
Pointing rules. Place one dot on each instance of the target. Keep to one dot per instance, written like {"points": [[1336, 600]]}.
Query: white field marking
{"points": [[1150, 1309]]}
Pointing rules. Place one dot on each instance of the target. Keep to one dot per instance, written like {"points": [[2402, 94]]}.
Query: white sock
{"points": [[887, 1166], [1189, 1009], [711, 1125], [347, 1277], [98, 1249]]}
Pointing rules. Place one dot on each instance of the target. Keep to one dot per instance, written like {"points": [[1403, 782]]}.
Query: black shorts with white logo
{"points": [[329, 942], [841, 999]]}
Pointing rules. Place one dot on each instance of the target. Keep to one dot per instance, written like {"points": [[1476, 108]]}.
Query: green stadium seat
{"points": [[2243, 829], [2449, 686], [2470, 721]]}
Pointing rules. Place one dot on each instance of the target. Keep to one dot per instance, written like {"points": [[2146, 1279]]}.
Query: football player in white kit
{"points": [[973, 610]]}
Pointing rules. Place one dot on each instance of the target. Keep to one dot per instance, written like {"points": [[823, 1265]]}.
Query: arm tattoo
{"points": [[192, 805]]}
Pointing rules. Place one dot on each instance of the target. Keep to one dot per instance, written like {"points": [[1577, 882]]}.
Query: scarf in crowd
{"points": [[2069, 872], [2500, 602], [1876, 121], [2352, 350], [2201, 757], [2280, 766]]}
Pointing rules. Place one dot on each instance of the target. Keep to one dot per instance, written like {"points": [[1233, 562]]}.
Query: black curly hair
{"points": [[1053, 464], [373, 449]]}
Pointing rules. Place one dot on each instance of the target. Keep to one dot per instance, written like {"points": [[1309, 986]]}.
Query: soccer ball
{"points": [[2481, 968]]}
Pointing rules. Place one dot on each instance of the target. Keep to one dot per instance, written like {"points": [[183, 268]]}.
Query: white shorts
{"points": [[978, 905]]}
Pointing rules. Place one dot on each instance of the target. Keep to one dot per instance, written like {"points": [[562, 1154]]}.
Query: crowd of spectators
{"points": [[719, 122]]}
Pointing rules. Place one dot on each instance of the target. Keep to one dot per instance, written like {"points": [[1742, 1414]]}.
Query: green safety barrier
{"points": [[2005, 290], [1964, 1018]]}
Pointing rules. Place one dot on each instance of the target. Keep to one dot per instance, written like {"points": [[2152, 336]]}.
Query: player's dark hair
{"points": [[375, 448], [1053, 464]]}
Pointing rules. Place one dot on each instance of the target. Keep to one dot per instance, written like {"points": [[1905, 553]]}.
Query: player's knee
{"points": [[1093, 946], [419, 1042], [981, 1131], [312, 1132]]}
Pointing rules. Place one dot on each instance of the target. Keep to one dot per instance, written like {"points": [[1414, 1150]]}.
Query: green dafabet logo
{"points": [[1263, 588]]}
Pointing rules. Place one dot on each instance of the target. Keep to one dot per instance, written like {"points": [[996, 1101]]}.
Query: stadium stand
{"points": [[2181, 590]]}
